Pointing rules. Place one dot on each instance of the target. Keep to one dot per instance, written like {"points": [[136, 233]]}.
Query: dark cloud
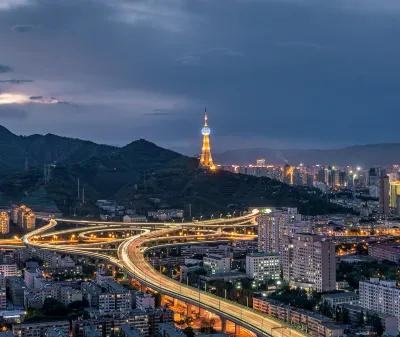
{"points": [[22, 28], [5, 69], [14, 81], [276, 73], [9, 112], [36, 97]]}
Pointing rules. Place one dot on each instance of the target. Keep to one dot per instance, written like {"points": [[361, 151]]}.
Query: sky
{"points": [[272, 73]]}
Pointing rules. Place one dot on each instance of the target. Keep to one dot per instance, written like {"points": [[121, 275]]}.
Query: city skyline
{"points": [[112, 74]]}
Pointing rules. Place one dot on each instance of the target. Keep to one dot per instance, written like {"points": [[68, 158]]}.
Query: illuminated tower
{"points": [[206, 159]]}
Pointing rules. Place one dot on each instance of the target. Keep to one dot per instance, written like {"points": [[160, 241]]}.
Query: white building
{"points": [[216, 264], [381, 296], [30, 275], [4, 223], [263, 266], [272, 226], [309, 262]]}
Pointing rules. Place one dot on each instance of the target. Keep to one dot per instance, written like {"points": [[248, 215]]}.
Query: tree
{"points": [[346, 316], [188, 331], [157, 299], [53, 307], [189, 320]]}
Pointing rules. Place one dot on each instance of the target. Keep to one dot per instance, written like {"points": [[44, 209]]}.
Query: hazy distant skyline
{"points": [[273, 73]]}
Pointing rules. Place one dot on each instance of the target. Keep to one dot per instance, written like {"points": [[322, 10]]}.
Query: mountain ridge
{"points": [[137, 174], [359, 155]]}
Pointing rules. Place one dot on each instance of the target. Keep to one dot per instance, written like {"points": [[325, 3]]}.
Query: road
{"points": [[131, 259]]}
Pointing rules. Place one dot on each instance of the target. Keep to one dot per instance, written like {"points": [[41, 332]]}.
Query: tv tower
{"points": [[206, 159]]}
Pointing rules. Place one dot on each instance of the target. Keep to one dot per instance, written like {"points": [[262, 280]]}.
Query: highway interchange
{"points": [[131, 259]]}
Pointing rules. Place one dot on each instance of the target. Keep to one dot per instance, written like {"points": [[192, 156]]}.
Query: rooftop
{"points": [[262, 254], [338, 295]]}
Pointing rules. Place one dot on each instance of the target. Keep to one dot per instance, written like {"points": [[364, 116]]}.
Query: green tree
{"points": [[188, 331]]}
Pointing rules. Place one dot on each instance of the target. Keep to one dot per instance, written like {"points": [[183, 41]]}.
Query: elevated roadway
{"points": [[131, 259]]}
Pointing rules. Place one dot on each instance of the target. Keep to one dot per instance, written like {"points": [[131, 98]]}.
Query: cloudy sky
{"points": [[273, 73]]}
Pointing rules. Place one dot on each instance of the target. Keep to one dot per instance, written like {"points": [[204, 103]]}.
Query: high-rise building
{"points": [[373, 183], [321, 175], [381, 296], [4, 223], [342, 178], [309, 262], [394, 192], [384, 195], [29, 222], [271, 229], [261, 162], [206, 158], [310, 180]]}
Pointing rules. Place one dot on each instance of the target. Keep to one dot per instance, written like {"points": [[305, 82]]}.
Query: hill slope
{"points": [[141, 171]]}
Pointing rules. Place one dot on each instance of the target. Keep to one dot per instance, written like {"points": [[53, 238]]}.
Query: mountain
{"points": [[359, 155], [39, 150], [137, 176]]}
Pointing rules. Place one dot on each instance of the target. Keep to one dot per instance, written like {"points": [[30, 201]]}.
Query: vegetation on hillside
{"points": [[138, 174]]}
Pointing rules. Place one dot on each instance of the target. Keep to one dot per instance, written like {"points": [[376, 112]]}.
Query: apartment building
{"points": [[381, 296], [4, 223], [69, 295], [37, 329], [338, 299], [216, 264], [263, 266], [385, 252], [271, 228], [313, 324], [309, 262]]}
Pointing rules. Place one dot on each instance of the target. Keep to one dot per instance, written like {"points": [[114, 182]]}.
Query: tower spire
{"points": [[206, 158]]}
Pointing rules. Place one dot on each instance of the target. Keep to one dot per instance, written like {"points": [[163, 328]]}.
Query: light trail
{"points": [[131, 259]]}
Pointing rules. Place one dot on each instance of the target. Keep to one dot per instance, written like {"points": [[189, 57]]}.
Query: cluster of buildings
{"points": [[23, 217], [112, 210], [307, 259]]}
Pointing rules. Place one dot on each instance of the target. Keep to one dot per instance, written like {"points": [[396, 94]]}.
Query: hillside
{"points": [[135, 174], [361, 155], [39, 150]]}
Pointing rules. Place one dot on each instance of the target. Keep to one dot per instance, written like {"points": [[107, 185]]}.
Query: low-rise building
{"points": [[29, 276], [313, 324], [263, 266], [16, 288], [169, 330], [385, 252], [9, 269], [56, 332], [107, 323], [37, 329], [339, 299], [69, 295], [144, 301], [91, 331], [216, 264], [130, 330], [389, 322]]}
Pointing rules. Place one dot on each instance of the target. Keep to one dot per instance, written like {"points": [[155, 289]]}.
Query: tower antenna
{"points": [[206, 158]]}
